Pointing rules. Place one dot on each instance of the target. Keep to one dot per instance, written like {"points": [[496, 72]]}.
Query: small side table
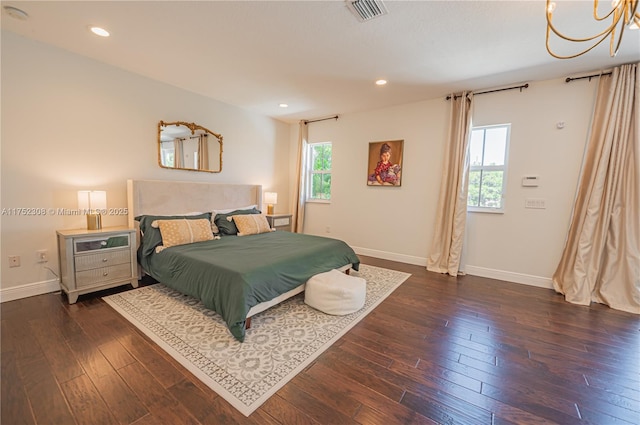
{"points": [[91, 260], [280, 222]]}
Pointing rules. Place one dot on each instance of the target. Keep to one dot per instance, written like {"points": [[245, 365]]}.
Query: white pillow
{"points": [[228, 210]]}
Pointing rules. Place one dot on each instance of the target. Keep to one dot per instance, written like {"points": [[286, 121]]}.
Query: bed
{"points": [[236, 276]]}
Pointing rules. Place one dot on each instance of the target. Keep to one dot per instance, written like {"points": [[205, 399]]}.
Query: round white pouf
{"points": [[335, 293]]}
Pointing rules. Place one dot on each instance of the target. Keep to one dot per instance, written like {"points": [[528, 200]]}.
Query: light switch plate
{"points": [[535, 203]]}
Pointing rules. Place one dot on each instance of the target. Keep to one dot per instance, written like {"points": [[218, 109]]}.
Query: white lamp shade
{"points": [[98, 200], [92, 200], [270, 198], [83, 199]]}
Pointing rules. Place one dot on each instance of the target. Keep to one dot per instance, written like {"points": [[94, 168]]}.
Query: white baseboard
{"points": [[29, 290], [385, 255], [53, 285], [525, 279]]}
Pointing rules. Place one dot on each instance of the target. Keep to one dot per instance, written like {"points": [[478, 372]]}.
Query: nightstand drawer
{"points": [[284, 221], [103, 274], [98, 243], [102, 259], [280, 222]]}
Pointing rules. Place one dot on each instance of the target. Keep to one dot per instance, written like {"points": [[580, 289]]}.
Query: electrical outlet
{"points": [[42, 256], [14, 261]]}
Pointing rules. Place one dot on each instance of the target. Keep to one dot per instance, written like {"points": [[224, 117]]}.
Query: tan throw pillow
{"points": [[251, 224], [183, 231]]}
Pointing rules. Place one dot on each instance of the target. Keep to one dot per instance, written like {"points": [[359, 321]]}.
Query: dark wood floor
{"points": [[438, 350]]}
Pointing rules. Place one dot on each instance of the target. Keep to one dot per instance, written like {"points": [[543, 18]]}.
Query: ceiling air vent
{"points": [[366, 9]]}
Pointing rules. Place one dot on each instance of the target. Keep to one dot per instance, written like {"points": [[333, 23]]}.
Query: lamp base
{"points": [[269, 209], [94, 221]]}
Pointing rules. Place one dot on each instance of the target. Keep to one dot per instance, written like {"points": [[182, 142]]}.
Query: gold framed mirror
{"points": [[189, 146]]}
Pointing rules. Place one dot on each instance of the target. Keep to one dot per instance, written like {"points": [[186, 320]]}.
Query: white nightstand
{"points": [[279, 221], [92, 260]]}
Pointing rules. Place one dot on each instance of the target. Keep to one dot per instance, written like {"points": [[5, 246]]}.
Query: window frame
{"points": [[310, 173], [481, 168]]}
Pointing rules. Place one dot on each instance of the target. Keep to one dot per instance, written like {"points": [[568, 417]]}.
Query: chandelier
{"points": [[623, 13]]}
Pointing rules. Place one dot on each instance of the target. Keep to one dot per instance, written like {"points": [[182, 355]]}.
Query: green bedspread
{"points": [[233, 274]]}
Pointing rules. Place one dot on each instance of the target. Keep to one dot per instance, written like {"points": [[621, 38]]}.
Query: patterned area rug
{"points": [[281, 342]]}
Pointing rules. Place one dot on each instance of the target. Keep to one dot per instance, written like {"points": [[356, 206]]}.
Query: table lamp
{"points": [[92, 202], [270, 198]]}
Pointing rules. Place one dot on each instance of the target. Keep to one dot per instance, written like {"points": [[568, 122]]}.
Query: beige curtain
{"points": [[601, 258], [446, 247], [299, 200], [203, 152], [178, 153]]}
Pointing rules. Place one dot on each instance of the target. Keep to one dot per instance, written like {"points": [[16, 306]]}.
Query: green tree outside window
{"points": [[320, 171], [487, 159]]}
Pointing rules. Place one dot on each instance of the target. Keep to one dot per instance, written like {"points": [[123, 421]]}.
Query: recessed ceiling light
{"points": [[99, 31], [381, 82], [283, 105], [14, 12]]}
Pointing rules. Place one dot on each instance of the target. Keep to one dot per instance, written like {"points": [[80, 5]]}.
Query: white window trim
{"points": [[318, 201], [489, 210], [503, 168], [309, 173]]}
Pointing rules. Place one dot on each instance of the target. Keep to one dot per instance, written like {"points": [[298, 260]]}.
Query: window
{"points": [[168, 151], [319, 172], [488, 148]]}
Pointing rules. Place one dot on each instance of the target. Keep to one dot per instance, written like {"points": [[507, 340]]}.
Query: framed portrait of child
{"points": [[385, 163]]}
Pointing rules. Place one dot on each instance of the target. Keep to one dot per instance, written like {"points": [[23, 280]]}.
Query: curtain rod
{"points": [[191, 137], [570, 79], [524, 86], [335, 117]]}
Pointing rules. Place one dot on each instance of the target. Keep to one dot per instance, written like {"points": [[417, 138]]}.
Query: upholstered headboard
{"points": [[159, 197]]}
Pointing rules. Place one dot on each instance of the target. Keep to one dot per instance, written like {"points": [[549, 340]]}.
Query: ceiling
{"points": [[315, 55]]}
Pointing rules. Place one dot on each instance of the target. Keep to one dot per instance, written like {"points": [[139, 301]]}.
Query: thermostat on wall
{"points": [[531, 181]]}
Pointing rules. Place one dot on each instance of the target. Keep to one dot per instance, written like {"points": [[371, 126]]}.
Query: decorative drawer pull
{"points": [[104, 260], [105, 273]]}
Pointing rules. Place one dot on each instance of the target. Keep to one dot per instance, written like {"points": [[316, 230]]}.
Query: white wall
{"points": [[525, 245], [521, 245], [71, 123], [384, 221]]}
